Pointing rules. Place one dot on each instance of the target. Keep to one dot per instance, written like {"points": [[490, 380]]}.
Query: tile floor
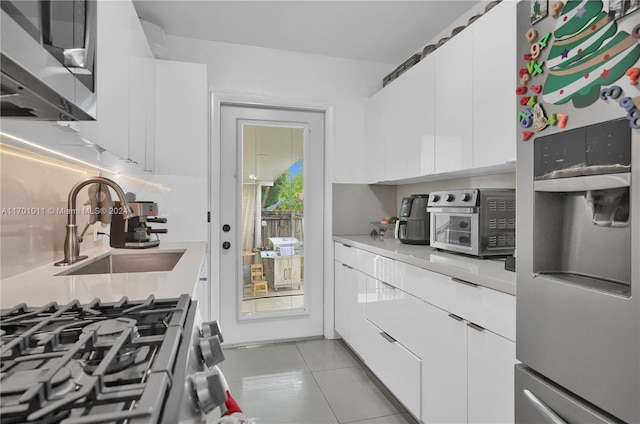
{"points": [[312, 381]]}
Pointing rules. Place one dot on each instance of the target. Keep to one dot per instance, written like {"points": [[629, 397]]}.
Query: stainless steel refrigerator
{"points": [[578, 213]]}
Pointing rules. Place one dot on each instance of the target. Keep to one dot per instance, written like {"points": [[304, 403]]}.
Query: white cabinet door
{"points": [[400, 126], [491, 361], [397, 127], [182, 116], [390, 309], [359, 330], [141, 97], [111, 128], [342, 272], [495, 71], [421, 115], [375, 149], [444, 367], [453, 97], [397, 368]]}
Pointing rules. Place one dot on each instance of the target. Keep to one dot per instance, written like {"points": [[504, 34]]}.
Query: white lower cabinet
{"points": [[444, 369], [444, 348], [341, 303], [397, 367], [350, 307], [490, 376]]}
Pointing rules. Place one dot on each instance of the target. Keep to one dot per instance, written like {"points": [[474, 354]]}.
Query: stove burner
{"points": [[111, 327]]}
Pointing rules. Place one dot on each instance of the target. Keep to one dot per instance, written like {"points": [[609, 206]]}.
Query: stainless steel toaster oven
{"points": [[479, 222]]}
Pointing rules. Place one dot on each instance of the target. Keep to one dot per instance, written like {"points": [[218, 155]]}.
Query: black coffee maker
{"points": [[413, 226], [135, 233]]}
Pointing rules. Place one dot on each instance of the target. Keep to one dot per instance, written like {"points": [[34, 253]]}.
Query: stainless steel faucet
{"points": [[71, 241]]}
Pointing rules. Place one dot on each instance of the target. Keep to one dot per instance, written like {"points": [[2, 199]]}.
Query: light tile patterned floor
{"points": [[313, 381]]}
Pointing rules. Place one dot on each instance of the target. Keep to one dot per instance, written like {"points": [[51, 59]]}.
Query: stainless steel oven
{"points": [[48, 54], [479, 222]]}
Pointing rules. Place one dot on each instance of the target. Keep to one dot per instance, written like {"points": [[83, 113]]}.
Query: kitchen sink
{"points": [[124, 263]]}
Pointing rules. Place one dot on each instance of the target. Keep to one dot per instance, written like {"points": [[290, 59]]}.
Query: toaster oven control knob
{"points": [[465, 197], [210, 388], [435, 198], [211, 351], [449, 197]]}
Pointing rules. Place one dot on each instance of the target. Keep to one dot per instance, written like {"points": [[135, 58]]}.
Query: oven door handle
{"points": [[453, 210]]}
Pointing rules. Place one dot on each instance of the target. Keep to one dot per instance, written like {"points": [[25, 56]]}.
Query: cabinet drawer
{"points": [[397, 368], [429, 286], [371, 264], [345, 254], [397, 313], [491, 309]]}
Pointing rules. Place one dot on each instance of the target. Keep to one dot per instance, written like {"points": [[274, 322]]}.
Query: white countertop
{"points": [[41, 285], [484, 272]]}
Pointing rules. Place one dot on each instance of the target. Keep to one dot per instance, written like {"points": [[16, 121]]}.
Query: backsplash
{"points": [[355, 206], [505, 180], [33, 196]]}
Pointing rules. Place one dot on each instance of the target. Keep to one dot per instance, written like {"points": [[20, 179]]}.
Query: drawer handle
{"points": [[347, 266], [475, 326], [387, 337], [346, 245], [457, 280], [456, 317], [544, 409], [388, 285]]}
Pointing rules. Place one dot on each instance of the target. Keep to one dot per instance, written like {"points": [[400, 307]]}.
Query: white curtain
{"points": [[248, 216]]}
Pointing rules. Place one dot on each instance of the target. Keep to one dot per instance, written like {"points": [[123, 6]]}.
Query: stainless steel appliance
{"points": [[147, 361], [134, 233], [479, 222], [578, 273], [413, 225], [578, 309], [48, 59]]}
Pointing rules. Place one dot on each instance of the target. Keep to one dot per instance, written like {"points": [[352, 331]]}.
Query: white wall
{"points": [[275, 74]]}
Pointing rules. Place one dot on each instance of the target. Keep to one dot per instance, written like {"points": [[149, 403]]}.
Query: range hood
{"points": [[39, 81]]}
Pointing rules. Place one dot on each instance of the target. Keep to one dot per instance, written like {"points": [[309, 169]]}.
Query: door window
{"points": [[272, 218]]}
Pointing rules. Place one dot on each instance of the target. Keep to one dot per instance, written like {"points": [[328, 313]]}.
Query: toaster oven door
{"points": [[455, 231]]}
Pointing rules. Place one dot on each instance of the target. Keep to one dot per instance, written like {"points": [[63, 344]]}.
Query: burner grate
{"points": [[89, 363]]}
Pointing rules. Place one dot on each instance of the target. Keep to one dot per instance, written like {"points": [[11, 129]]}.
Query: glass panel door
{"points": [[272, 218]]}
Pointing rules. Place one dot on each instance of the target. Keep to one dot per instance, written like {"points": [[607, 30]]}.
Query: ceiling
{"points": [[379, 31]]}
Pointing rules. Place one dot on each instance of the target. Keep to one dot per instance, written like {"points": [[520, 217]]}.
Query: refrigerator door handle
{"points": [[547, 412]]}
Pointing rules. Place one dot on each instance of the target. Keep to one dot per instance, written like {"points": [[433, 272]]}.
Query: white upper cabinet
{"points": [[375, 115], [400, 126], [454, 107], [126, 87], [142, 73], [182, 114], [494, 77], [452, 111], [110, 130]]}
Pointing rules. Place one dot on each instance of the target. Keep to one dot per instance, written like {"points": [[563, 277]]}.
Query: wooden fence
{"points": [[282, 224]]}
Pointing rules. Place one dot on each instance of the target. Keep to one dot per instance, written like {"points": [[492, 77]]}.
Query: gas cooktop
{"points": [[118, 362]]}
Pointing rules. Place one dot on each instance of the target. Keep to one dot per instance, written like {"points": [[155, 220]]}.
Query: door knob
{"points": [[226, 245]]}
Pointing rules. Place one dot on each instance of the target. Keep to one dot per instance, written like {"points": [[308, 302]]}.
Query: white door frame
{"points": [[217, 99]]}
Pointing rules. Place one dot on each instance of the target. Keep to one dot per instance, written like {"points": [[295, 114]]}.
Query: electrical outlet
{"points": [[96, 236]]}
